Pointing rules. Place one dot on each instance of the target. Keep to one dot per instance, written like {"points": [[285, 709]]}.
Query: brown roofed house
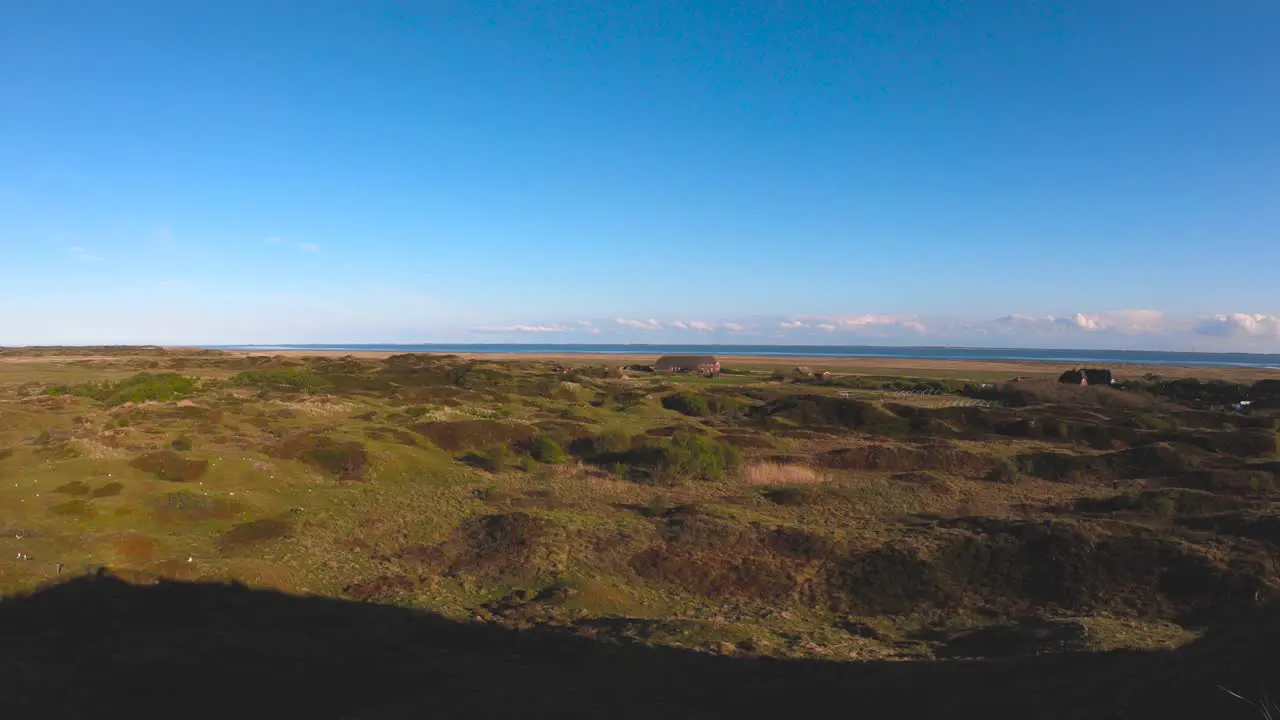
{"points": [[687, 363]]}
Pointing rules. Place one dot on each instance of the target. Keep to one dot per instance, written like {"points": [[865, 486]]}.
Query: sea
{"points": [[1080, 357]]}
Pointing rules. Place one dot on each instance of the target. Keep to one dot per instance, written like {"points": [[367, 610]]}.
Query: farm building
{"points": [[687, 363]]}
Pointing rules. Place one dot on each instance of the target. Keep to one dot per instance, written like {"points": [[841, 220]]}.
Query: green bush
{"points": [[496, 459], [702, 406], [612, 442], [687, 404], [692, 457], [280, 379], [543, 449], [144, 387]]}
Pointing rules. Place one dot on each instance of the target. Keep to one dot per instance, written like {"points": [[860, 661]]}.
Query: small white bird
{"points": [[190, 559]]}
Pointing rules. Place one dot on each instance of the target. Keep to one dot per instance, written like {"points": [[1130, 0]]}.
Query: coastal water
{"points": [[1099, 357]]}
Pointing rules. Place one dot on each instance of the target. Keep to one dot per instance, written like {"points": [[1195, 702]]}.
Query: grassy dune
{"points": [[757, 513]]}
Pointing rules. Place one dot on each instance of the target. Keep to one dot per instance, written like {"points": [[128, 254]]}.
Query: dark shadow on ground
{"points": [[100, 647]]}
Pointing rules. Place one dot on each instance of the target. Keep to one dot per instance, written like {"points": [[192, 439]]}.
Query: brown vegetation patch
{"points": [[254, 532], [768, 473], [1013, 566], [902, 458], [346, 460], [58, 451], [514, 544], [823, 411], [1165, 502], [511, 543], [380, 586], [185, 506], [473, 434], [169, 465], [111, 489], [750, 441], [76, 488], [135, 547], [74, 508], [391, 434]]}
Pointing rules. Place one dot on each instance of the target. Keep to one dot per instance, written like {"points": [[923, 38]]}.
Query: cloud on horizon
{"points": [[1239, 324], [1117, 328]]}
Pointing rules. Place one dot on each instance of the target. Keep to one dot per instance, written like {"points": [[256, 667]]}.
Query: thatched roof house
{"points": [[1087, 376]]}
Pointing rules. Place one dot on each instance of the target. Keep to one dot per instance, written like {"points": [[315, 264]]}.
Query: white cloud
{"points": [[309, 247], [1239, 324], [649, 324], [733, 326], [273, 240], [524, 329], [1126, 322], [866, 324], [82, 254], [588, 327]]}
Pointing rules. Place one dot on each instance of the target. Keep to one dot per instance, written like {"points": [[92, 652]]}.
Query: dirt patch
{"points": [[169, 465], [253, 533], [473, 434]]}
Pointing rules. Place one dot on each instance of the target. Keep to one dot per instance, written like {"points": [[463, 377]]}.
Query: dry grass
{"points": [[768, 473]]}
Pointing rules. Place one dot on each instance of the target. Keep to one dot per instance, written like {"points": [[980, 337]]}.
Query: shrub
{"points": [[181, 444], [543, 449], [496, 459], [346, 460], [608, 443], [280, 379], [702, 406], [612, 441], [687, 404], [1006, 472], [143, 387], [692, 457]]}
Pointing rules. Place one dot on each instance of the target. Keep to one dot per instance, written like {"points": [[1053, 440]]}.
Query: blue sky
{"points": [[1086, 174]]}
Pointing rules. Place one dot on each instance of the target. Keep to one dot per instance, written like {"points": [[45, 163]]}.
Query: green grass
{"points": [[318, 475]]}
